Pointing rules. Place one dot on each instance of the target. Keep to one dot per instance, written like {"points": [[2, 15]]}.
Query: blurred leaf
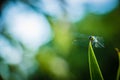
{"points": [[95, 72], [118, 72]]}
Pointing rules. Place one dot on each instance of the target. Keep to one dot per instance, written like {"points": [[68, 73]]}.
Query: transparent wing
{"points": [[81, 40], [99, 43]]}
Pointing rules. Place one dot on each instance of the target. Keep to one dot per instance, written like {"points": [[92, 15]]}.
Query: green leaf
{"points": [[95, 72], [118, 71]]}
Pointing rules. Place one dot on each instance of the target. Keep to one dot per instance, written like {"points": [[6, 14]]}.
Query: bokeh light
{"points": [[102, 6], [41, 39], [27, 26]]}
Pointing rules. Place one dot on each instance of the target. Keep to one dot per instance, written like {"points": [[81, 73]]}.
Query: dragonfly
{"points": [[83, 40]]}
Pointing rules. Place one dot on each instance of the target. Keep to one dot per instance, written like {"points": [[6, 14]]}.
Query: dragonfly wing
{"points": [[100, 41], [80, 40], [98, 45]]}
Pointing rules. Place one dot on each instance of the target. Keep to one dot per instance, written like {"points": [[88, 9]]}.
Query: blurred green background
{"points": [[37, 38]]}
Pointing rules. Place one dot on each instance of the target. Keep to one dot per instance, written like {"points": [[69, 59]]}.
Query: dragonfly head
{"points": [[91, 38]]}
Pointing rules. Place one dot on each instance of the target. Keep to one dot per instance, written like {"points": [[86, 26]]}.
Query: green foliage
{"points": [[95, 72]]}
